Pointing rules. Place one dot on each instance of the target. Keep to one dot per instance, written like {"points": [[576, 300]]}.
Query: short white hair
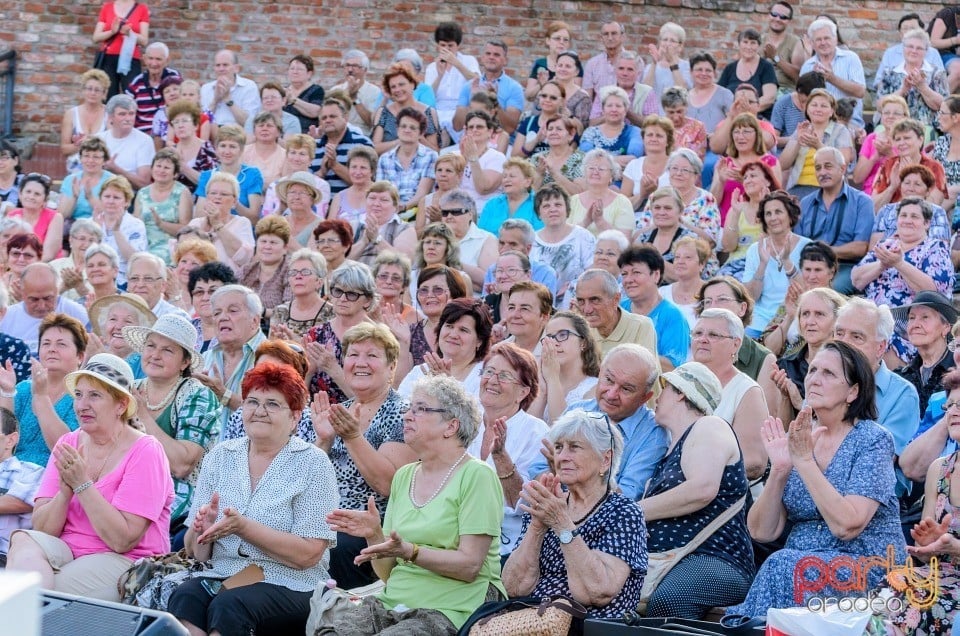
{"points": [[734, 324], [880, 313], [837, 155], [159, 267], [253, 302], [354, 54], [616, 236], [159, 46], [822, 23]]}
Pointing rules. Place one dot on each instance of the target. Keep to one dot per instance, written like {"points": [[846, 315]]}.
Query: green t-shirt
{"points": [[472, 503]]}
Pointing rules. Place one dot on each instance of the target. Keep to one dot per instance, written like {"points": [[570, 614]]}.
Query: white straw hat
{"points": [[172, 326]]}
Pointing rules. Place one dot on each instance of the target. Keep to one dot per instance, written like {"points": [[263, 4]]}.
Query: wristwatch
{"points": [[566, 536], [229, 103], [776, 59]]}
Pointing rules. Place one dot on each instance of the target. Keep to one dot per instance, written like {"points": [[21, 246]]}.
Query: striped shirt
{"points": [[351, 139], [148, 98]]}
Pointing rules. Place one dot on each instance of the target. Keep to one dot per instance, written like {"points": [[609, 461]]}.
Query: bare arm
{"points": [[10, 505], [293, 551], [50, 515], [924, 450], [746, 424], [522, 570], [377, 466], [846, 515], [54, 239], [767, 517]]}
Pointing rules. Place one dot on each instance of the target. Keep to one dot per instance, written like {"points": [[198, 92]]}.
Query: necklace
{"points": [[577, 522], [103, 464], [413, 482], [166, 399]]}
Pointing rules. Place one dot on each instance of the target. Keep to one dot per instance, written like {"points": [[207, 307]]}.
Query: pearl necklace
{"points": [[413, 482], [166, 399]]}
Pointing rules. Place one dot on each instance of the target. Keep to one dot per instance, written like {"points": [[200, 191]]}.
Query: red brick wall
{"points": [[53, 39]]}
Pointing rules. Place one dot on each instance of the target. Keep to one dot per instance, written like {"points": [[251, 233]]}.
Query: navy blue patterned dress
{"points": [[616, 528], [862, 465]]}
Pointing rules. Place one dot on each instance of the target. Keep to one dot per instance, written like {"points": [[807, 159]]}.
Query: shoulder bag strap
{"points": [[106, 43]]}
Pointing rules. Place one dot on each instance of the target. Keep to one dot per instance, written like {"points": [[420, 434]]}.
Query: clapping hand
{"points": [[393, 547], [207, 515], [320, 356], [232, 522], [8, 377], [543, 498], [70, 465], [787, 387], [775, 443], [398, 327], [363, 524], [437, 365], [346, 421], [926, 531], [802, 437], [279, 331], [499, 436], [320, 416], [888, 253], [39, 378]]}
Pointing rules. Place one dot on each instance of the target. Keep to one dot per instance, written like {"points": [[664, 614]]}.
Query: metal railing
{"points": [[8, 73]]}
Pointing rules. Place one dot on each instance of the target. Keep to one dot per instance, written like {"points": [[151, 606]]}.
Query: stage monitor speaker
{"points": [[68, 615]]}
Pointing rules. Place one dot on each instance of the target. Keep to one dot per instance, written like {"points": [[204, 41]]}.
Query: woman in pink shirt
{"points": [[105, 497]]}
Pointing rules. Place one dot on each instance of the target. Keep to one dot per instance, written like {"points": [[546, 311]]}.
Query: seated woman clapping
{"points": [[700, 478], [105, 497], [258, 516], [589, 543], [438, 547]]}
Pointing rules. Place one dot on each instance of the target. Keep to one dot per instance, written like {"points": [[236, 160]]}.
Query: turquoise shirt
{"points": [[32, 447]]}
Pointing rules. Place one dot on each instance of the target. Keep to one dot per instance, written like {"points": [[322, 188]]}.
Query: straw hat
{"points": [[172, 326], [304, 178], [110, 370], [101, 308], [698, 384]]}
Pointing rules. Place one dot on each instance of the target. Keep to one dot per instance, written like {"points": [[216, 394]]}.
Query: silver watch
{"points": [[566, 536]]}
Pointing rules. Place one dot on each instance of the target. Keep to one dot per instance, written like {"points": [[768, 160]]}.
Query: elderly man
{"points": [[232, 99], [602, 69], [643, 99], [628, 375], [517, 235], [598, 299], [867, 327], [336, 141], [493, 78], [146, 276], [784, 50], [236, 312], [837, 214], [13, 350], [841, 68], [131, 151], [41, 297], [449, 72], [18, 483], [928, 319], [145, 87], [364, 95]]}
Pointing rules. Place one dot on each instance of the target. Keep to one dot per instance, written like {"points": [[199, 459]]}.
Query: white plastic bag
{"points": [[800, 621]]}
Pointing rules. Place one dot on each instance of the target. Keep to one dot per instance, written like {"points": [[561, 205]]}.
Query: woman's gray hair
{"points": [[106, 250], [674, 96], [459, 404], [597, 430], [354, 276], [685, 153], [600, 153], [616, 236], [734, 324], [409, 55], [318, 262], [253, 302], [614, 91], [86, 225], [462, 199], [15, 223]]}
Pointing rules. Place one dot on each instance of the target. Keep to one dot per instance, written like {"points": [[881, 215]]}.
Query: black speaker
{"points": [[68, 615]]}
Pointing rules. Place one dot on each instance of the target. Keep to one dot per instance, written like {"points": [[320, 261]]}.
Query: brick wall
{"points": [[53, 39]]}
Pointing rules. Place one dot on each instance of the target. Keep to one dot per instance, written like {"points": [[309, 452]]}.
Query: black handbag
{"points": [[100, 61]]}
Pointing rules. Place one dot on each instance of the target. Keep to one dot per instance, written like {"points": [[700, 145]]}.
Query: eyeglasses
{"points": [[950, 405], [502, 376], [508, 271], [6, 155], [454, 212], [419, 409], [18, 254], [740, 132], [712, 336], [436, 292], [327, 241], [607, 253], [561, 336], [136, 280], [303, 273], [710, 302], [251, 405], [350, 65], [390, 278], [779, 16], [336, 292], [679, 170], [200, 293], [606, 420]]}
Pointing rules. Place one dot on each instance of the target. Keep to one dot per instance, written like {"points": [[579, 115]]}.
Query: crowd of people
{"points": [[474, 337]]}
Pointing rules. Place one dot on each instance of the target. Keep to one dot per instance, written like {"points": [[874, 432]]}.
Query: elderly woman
{"points": [[267, 273], [668, 67], [715, 342], [43, 405], [363, 437], [437, 246], [165, 205], [946, 149], [709, 102], [332, 239], [392, 273], [22, 250], [398, 84], [350, 204], [306, 308], [569, 365], [689, 133], [462, 339], [836, 488], [230, 143], [816, 316], [908, 139], [176, 409], [742, 227], [47, 224], [85, 120], [264, 152], [232, 233], [383, 228], [105, 498], [562, 161], [203, 281], [123, 232], [746, 146], [410, 165], [700, 480], [516, 201], [609, 246], [700, 211], [566, 247], [897, 268], [448, 173], [666, 214], [80, 190], [690, 257], [273, 98], [194, 154], [774, 260], [531, 133], [751, 68], [923, 86], [354, 294], [599, 207], [484, 171], [878, 145], [73, 275], [301, 149], [529, 306], [821, 128], [916, 180], [448, 565], [259, 499], [645, 174], [109, 316], [101, 267], [589, 543], [615, 135]]}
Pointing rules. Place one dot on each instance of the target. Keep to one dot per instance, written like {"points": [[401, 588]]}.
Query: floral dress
{"points": [[158, 241], [419, 342], [572, 169], [702, 212], [709, 270], [952, 168], [325, 335], [939, 618], [892, 80]]}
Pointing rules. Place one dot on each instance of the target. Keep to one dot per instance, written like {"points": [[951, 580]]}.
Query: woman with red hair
{"points": [[333, 238], [259, 511], [742, 227]]}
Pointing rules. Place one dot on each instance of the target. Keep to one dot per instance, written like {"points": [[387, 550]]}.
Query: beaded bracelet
{"points": [[79, 489]]}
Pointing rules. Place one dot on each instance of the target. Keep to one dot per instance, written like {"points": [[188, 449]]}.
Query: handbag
{"points": [[150, 581], [100, 61], [550, 616], [659, 564]]}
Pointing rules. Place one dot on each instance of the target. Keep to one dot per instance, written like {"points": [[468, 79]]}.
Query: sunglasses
{"points": [[779, 16], [454, 212]]}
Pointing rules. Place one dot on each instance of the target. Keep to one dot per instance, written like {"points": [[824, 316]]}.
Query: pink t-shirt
{"points": [[140, 485], [869, 151]]}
